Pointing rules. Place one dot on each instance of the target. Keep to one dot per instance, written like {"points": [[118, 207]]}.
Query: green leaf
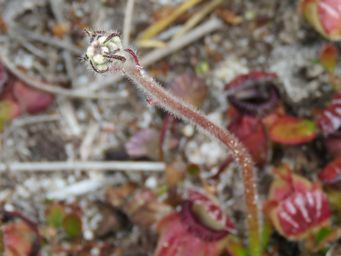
{"points": [[202, 68], [54, 215], [322, 234], [72, 225], [8, 110], [235, 247], [266, 233], [292, 131]]}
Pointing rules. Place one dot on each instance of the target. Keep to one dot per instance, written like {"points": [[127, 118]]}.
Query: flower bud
{"points": [[105, 49]]}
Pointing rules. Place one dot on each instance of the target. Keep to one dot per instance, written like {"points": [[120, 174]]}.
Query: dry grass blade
{"points": [[81, 165], [53, 89], [165, 22], [127, 21], [199, 16]]}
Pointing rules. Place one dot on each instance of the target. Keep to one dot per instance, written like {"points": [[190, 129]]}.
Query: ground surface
{"points": [[44, 40]]}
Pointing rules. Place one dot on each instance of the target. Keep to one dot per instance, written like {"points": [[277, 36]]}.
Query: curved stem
{"points": [[174, 105]]}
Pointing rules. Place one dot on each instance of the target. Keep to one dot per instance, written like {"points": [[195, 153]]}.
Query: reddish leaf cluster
{"points": [[252, 96], [200, 228], [255, 93], [252, 134], [331, 174], [20, 235], [329, 120], [296, 207], [17, 98], [257, 115]]}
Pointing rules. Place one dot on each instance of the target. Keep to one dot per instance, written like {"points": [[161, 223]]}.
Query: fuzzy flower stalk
{"points": [[106, 54]]}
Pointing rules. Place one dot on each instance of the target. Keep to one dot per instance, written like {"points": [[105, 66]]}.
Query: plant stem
{"points": [[176, 106]]}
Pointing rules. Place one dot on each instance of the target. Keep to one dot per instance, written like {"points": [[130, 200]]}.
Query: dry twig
{"points": [[127, 21], [86, 166], [54, 89]]}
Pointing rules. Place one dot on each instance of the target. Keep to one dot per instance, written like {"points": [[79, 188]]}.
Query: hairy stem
{"points": [[176, 106]]}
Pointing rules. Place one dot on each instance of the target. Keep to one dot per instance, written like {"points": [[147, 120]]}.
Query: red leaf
{"points": [[330, 17], [251, 133], [285, 183], [254, 75], [291, 130], [332, 172], [200, 228], [329, 120], [190, 88], [18, 239], [328, 57], [31, 100], [333, 144], [253, 93], [144, 143], [324, 16], [209, 213], [301, 213], [175, 239], [295, 206]]}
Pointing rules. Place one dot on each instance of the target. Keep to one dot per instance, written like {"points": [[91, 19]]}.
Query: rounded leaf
{"points": [[330, 16], [204, 217], [175, 239], [31, 100], [72, 225], [285, 183], [144, 143], [190, 88], [292, 131], [333, 144], [254, 93], [8, 111], [54, 215], [301, 213], [328, 57], [19, 238], [251, 132], [295, 206], [329, 120], [332, 172], [324, 16], [200, 228]]}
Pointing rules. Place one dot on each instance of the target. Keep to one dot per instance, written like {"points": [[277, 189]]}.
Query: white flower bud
{"points": [[104, 50], [116, 40], [102, 67], [99, 59], [101, 40], [90, 52]]}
